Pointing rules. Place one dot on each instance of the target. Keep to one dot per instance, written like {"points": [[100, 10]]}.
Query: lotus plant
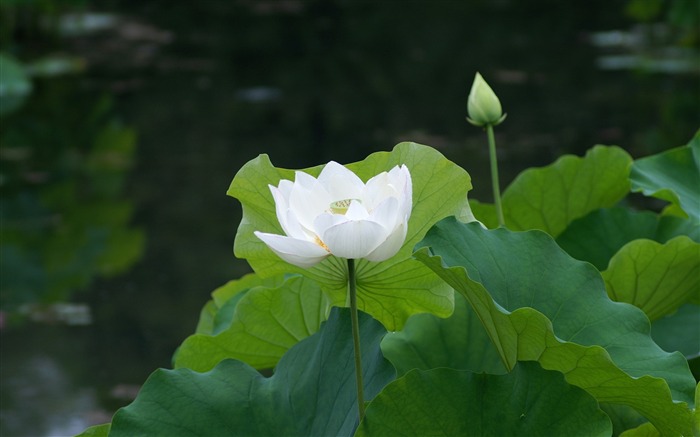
{"points": [[485, 110], [339, 215]]}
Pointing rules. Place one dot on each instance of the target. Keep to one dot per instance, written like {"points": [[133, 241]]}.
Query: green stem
{"points": [[494, 175], [356, 337]]}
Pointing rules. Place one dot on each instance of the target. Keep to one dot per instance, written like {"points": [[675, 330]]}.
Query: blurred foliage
{"points": [[64, 160], [33, 21], [64, 219], [14, 84], [682, 15]]}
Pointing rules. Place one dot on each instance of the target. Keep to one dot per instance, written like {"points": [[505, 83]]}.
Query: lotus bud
{"points": [[483, 105]]}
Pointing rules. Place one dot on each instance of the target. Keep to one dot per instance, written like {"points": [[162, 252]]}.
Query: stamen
{"points": [[321, 243]]}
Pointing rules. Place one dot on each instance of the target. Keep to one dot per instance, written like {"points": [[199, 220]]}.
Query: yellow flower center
{"points": [[341, 206]]}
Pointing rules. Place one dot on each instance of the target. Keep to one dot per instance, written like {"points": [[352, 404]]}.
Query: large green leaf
{"points": [[207, 314], [696, 413], [648, 430], [599, 235], [672, 333], [658, 278], [222, 295], [266, 322], [312, 392], [529, 401], [537, 303], [673, 175], [622, 417], [391, 290], [458, 342], [551, 197], [643, 430], [217, 314], [485, 213], [96, 431]]}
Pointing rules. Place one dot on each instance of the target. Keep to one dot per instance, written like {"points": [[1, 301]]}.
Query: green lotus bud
{"points": [[483, 105]]}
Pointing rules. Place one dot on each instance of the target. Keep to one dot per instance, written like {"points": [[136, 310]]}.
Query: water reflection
{"points": [[65, 219], [208, 86], [39, 393]]}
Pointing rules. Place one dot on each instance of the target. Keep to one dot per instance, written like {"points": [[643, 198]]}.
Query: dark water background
{"points": [[172, 98]]}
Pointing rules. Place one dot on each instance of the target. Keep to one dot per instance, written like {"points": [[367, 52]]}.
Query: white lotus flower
{"points": [[337, 214]]}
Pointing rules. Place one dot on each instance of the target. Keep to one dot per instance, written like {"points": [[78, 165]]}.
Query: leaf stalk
{"points": [[494, 175], [352, 291]]}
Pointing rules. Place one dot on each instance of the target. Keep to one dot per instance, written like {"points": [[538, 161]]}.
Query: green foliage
{"points": [[391, 290], [648, 430], [599, 235], [667, 275], [96, 431], [672, 333], [428, 342], [311, 393], [551, 197], [448, 402], [673, 176], [643, 10], [529, 295], [536, 344], [643, 430], [261, 327]]}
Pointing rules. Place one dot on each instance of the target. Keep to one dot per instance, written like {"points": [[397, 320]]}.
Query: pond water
{"points": [[115, 170]]}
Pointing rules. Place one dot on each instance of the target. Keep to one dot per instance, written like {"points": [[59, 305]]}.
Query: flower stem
{"points": [[352, 290], [494, 175]]}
